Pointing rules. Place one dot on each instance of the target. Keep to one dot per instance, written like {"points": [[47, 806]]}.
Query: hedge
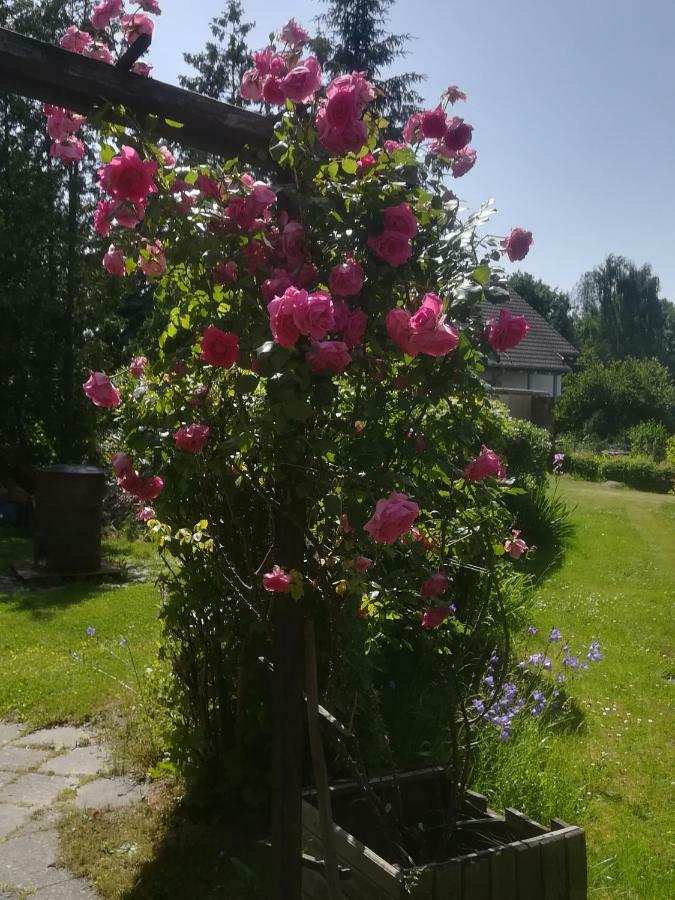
{"points": [[639, 472]]}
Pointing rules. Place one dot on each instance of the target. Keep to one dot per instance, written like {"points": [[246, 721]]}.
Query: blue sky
{"points": [[572, 103]]}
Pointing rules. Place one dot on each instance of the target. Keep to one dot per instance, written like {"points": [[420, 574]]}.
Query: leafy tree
{"points": [[620, 313], [223, 61], [605, 399], [668, 309], [554, 305], [358, 32]]}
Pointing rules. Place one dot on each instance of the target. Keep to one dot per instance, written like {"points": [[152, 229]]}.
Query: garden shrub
{"points": [[526, 447], [639, 472], [543, 517], [649, 439]]}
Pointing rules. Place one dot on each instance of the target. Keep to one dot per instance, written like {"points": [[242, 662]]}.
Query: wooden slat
{"points": [[575, 857], [528, 870], [476, 876], [48, 73], [553, 867], [448, 880], [503, 883], [522, 826]]}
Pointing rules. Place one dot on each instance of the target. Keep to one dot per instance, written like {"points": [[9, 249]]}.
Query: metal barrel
{"points": [[68, 513]]}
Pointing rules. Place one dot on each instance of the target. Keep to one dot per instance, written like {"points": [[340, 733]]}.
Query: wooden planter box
{"points": [[518, 859]]}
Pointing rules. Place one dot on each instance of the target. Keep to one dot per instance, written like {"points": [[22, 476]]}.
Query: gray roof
{"points": [[541, 350]]}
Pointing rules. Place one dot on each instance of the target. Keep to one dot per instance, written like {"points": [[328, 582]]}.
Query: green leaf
{"points": [[172, 124], [171, 330], [107, 153], [349, 166], [481, 274], [332, 169]]}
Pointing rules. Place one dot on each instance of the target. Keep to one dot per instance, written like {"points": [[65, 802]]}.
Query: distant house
{"points": [[529, 377]]}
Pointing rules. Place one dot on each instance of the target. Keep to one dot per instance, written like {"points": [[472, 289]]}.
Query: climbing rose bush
{"points": [[317, 372]]}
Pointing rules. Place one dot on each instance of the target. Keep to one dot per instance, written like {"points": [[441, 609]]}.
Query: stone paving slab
{"points": [[74, 889], [109, 792], [80, 761], [34, 790], [63, 737], [28, 860], [9, 731], [14, 759], [6, 777], [12, 817]]}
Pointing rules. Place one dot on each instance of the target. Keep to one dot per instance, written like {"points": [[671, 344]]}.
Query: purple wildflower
{"points": [[531, 629], [91, 631], [555, 636], [594, 653], [570, 661]]}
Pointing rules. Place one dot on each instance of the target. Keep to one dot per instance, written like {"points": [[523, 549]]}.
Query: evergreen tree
{"points": [[554, 305], [361, 43], [222, 62]]}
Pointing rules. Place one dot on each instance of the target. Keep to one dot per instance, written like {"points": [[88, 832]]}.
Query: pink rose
{"points": [[293, 35], [355, 329], [313, 314], [341, 313], [103, 217], [128, 214], [168, 159], [328, 356], [435, 615], [113, 261], [209, 187], [100, 51], [397, 323], [128, 177], [273, 91], [137, 366], [135, 25], [101, 391], [145, 488], [275, 285], [465, 161], [69, 150], [515, 546], [342, 109], [303, 81], [485, 464], [277, 581], [282, 319], [250, 86], [219, 348], [392, 146], [293, 243], [75, 40], [363, 90], [400, 218], [62, 122], [517, 244], [362, 564], [191, 438], [427, 316], [349, 139], [391, 246], [151, 6], [105, 12], [412, 131], [365, 164], [278, 65], [225, 272], [346, 279], [454, 94], [439, 342], [262, 60], [434, 585], [121, 463], [505, 332], [433, 123], [344, 522], [145, 513], [393, 517], [152, 261], [457, 135], [143, 69]]}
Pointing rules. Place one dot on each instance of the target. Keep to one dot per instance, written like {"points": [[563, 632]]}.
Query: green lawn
{"points": [[614, 776], [40, 630]]}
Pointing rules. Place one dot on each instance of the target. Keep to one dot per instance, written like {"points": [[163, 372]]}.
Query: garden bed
{"points": [[489, 857]]}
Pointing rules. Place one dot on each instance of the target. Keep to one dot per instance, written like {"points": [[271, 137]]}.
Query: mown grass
{"points": [[613, 774], [41, 680]]}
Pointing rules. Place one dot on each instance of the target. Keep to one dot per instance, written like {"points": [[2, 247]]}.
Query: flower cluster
{"points": [[450, 137]]}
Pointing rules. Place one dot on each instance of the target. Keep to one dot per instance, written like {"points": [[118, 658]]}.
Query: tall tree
{"points": [[620, 313], [361, 42], [554, 305], [224, 59]]}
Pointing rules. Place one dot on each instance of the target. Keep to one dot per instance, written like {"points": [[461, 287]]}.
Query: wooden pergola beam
{"points": [[35, 69]]}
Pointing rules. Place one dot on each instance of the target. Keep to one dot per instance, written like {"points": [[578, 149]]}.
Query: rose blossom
{"points": [[113, 261], [168, 159], [344, 522], [363, 90], [100, 51], [135, 25], [453, 93], [365, 164], [303, 81], [103, 217], [293, 243], [143, 69], [393, 516], [121, 463], [506, 332], [338, 141], [70, 150], [434, 585], [341, 314], [457, 135], [328, 356], [128, 214], [346, 279], [155, 264], [249, 88], [412, 132], [485, 464], [191, 438], [151, 6], [146, 513], [62, 122], [400, 218], [435, 615], [515, 546], [433, 123], [282, 319], [277, 581], [465, 161], [128, 177], [517, 244], [275, 285], [313, 313], [273, 91], [101, 391], [105, 12], [145, 488], [219, 348], [362, 564], [425, 332], [355, 328], [293, 35], [225, 272], [391, 246], [75, 40], [137, 366]]}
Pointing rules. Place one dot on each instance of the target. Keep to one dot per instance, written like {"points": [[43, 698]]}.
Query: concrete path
{"points": [[35, 771]]}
